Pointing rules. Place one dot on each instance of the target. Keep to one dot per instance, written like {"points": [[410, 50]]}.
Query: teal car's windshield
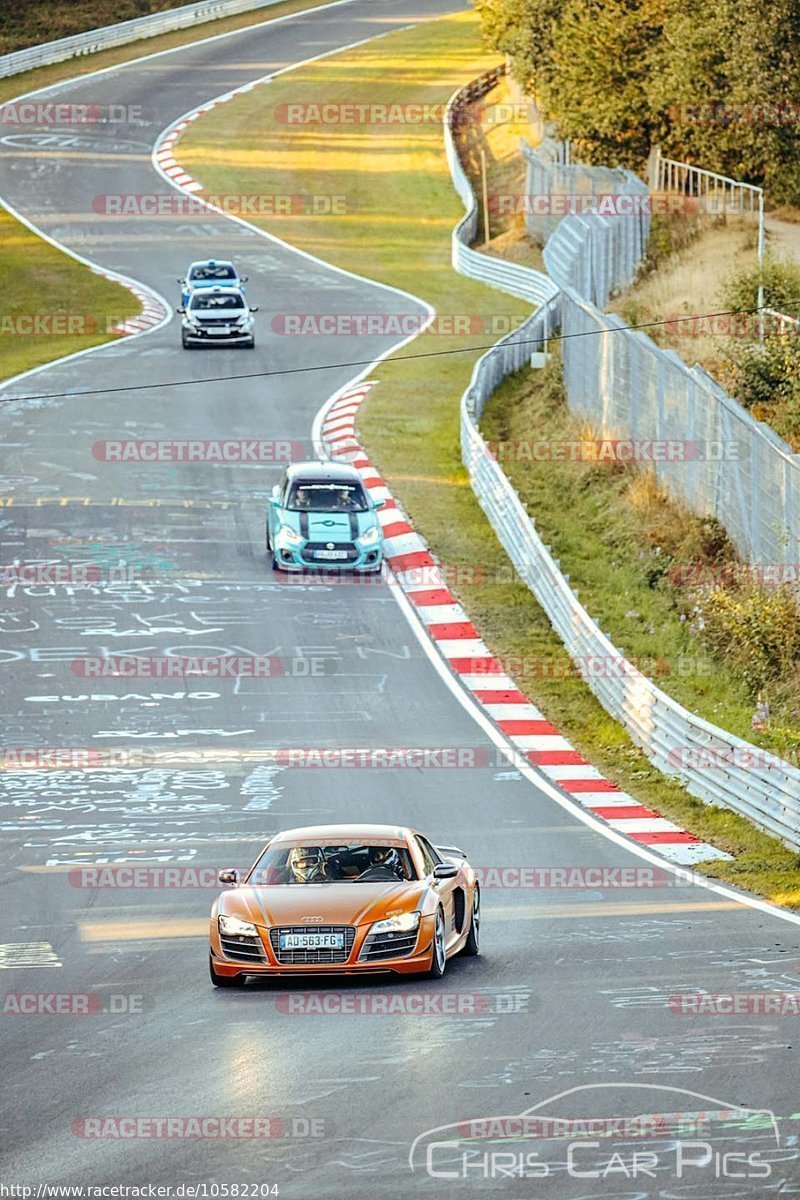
{"points": [[327, 496], [216, 272]]}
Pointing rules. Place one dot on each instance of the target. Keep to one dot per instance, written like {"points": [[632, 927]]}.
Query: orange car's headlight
{"points": [[237, 928], [404, 923]]}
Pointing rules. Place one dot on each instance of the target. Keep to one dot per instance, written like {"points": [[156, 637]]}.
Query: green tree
{"points": [[523, 30], [603, 56]]}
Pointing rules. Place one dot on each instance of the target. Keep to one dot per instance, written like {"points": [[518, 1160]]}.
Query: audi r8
{"points": [[345, 899]]}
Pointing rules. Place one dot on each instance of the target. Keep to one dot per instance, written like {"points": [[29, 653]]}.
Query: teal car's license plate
{"points": [[312, 941], [330, 554]]}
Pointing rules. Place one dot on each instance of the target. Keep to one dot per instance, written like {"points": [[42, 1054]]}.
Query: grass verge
{"points": [[39, 280], [400, 208], [52, 305]]}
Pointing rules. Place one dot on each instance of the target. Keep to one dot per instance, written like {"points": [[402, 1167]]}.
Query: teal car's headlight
{"points": [[404, 923], [237, 928], [290, 536], [370, 537]]}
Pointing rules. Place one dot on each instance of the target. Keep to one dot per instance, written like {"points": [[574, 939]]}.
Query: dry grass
{"points": [[689, 283]]}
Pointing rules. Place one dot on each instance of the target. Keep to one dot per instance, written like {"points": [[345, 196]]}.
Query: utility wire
{"points": [[365, 362]]}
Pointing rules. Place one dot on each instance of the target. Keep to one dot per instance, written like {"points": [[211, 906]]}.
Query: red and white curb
{"points": [[164, 150], [153, 312], [457, 640]]}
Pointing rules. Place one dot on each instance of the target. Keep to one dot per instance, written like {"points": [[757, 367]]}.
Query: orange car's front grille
{"points": [[299, 958]]}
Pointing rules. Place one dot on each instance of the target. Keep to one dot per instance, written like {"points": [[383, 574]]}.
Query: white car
{"points": [[218, 316]]}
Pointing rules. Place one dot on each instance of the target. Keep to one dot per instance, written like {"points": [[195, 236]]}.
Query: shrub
{"points": [[758, 628], [781, 280]]}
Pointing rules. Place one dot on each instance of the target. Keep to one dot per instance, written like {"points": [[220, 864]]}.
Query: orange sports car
{"points": [[345, 899]]}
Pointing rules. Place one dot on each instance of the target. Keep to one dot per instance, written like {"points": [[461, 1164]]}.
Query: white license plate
{"points": [[312, 941], [330, 554], [223, 332]]}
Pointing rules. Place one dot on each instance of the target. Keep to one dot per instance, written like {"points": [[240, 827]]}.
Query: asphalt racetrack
{"points": [[573, 987]]}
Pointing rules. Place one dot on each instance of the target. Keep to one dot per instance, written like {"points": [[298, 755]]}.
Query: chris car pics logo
{"points": [[602, 1134]]}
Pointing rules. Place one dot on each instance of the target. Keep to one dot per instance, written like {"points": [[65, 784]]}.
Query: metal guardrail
{"points": [[126, 31], [509, 277], [713, 765]]}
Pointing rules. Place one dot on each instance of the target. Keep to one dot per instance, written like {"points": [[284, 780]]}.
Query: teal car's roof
{"points": [[323, 472]]}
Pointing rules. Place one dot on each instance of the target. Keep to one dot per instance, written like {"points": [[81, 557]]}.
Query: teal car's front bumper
{"points": [[345, 556]]}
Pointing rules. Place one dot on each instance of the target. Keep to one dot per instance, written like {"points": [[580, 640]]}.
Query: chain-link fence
{"points": [[727, 464], [614, 374]]}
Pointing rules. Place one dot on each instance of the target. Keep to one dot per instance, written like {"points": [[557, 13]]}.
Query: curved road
{"points": [[573, 987]]}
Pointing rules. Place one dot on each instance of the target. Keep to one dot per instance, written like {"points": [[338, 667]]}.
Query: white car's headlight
{"points": [[404, 923], [236, 927], [290, 536], [370, 537]]}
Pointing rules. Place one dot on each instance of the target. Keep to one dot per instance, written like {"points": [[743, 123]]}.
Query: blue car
{"points": [[208, 273], [321, 516]]}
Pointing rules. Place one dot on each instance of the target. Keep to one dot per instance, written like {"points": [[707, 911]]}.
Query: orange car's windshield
{"points": [[313, 863]]}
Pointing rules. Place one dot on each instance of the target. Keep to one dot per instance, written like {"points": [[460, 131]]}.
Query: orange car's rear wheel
{"points": [[438, 949], [225, 981]]}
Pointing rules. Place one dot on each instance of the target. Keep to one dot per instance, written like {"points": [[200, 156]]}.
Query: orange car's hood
{"points": [[330, 903]]}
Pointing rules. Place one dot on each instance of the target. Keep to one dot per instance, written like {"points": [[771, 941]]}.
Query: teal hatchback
{"points": [[320, 515]]}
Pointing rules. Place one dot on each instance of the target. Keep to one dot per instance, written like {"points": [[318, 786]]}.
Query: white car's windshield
{"points": [[340, 863], [206, 303]]}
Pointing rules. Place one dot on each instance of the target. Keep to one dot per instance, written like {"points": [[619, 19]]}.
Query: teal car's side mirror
{"points": [[274, 498], [378, 503]]}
